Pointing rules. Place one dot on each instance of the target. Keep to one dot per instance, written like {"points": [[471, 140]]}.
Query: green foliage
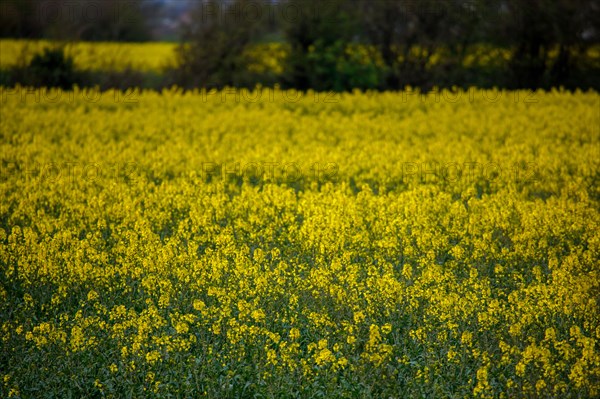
{"points": [[51, 68], [318, 39], [212, 54], [336, 67], [423, 44]]}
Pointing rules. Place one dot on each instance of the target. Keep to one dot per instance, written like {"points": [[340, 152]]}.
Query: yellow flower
{"points": [[359, 317], [152, 357], [466, 338], [540, 385], [294, 334], [199, 305], [386, 328], [258, 315], [92, 295], [271, 357]]}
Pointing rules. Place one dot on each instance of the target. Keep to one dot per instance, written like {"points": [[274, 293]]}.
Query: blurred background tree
{"points": [[92, 20], [408, 34], [548, 37], [319, 35], [215, 41]]}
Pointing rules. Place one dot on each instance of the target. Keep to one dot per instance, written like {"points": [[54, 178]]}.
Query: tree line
{"points": [[347, 44]]}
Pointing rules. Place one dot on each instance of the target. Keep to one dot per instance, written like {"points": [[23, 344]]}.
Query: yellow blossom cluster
{"points": [[272, 243]]}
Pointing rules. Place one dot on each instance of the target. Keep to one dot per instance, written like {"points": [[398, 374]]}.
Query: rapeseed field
{"points": [[87, 56], [274, 243], [157, 57]]}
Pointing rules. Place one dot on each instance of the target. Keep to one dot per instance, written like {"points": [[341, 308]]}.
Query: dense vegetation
{"points": [[539, 44], [157, 65]]}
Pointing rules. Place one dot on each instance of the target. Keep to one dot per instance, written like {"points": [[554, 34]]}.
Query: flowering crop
{"points": [[261, 58], [144, 57], [275, 244]]}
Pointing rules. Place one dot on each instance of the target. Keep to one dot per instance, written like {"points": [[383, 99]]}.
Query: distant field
{"points": [[277, 244], [155, 57], [143, 57]]}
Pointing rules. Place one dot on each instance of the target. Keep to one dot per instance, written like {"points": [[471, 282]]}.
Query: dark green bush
{"points": [[335, 68], [51, 68]]}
